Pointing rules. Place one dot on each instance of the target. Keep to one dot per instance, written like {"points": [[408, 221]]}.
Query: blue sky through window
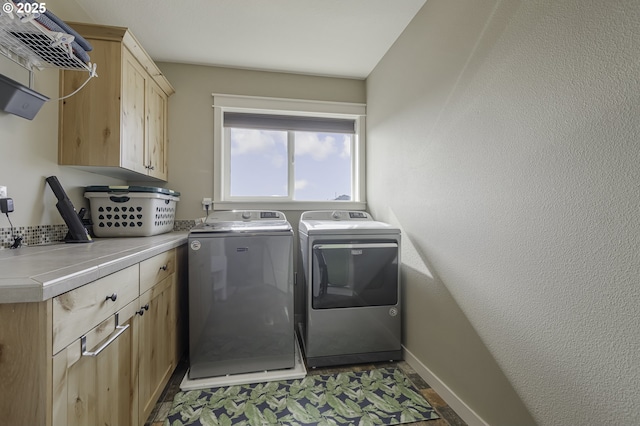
{"points": [[259, 165], [322, 166]]}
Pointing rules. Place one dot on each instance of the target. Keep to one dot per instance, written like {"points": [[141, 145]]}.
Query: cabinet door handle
{"points": [[151, 167], [142, 309], [113, 297], [164, 267], [83, 340]]}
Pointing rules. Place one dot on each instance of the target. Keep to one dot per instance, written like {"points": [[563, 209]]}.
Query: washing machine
{"points": [[240, 294], [351, 288]]}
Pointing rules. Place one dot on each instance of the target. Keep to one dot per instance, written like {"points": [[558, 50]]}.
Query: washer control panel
{"points": [[245, 215]]}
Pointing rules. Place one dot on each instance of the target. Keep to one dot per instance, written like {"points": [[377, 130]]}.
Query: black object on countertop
{"points": [[77, 232]]}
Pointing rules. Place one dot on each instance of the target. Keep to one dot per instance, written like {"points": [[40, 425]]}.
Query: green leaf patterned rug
{"points": [[376, 397]]}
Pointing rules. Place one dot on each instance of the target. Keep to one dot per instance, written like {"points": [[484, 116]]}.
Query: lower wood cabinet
{"points": [[94, 379], [113, 368], [157, 341]]}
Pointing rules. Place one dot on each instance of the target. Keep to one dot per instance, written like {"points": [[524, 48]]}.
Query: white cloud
{"points": [[311, 144], [317, 145], [301, 184], [346, 147], [249, 141], [271, 146]]}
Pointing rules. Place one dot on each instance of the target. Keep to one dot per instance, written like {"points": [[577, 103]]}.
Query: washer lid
{"points": [[244, 221]]}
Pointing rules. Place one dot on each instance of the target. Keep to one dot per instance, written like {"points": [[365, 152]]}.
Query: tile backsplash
{"points": [[183, 225], [33, 235], [45, 234]]}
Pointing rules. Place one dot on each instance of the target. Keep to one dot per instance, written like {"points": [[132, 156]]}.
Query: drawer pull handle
{"points": [[164, 267], [113, 297], [119, 330]]}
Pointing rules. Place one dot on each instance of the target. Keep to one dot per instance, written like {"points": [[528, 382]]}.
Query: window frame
{"points": [[249, 104]]}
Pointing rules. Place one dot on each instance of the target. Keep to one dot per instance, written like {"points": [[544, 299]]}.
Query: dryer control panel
{"points": [[336, 215]]}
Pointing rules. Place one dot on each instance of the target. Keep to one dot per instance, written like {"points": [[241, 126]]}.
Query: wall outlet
{"points": [[206, 203], [3, 192]]}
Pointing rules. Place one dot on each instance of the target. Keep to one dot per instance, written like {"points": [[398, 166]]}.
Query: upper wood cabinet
{"points": [[117, 124]]}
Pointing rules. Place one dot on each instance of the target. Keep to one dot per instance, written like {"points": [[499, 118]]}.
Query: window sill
{"points": [[290, 205]]}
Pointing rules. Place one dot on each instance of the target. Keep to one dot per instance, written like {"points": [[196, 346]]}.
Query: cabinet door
{"points": [[89, 121], [25, 357], [156, 331], [134, 89], [157, 131], [95, 385]]}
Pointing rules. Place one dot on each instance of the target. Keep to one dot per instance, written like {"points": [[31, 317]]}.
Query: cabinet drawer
{"points": [[77, 311], [156, 269]]}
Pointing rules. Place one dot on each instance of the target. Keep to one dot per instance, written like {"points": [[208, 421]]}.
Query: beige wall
{"points": [[513, 128], [29, 149], [191, 117], [29, 153]]}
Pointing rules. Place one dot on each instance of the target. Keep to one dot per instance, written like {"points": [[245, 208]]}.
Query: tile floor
{"points": [[447, 416]]}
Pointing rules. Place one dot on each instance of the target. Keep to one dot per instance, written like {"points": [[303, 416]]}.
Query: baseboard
{"points": [[458, 405]]}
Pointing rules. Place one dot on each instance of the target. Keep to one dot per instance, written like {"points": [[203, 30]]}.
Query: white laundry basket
{"points": [[131, 211]]}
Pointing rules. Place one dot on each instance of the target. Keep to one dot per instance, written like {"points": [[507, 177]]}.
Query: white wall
{"points": [[503, 137]]}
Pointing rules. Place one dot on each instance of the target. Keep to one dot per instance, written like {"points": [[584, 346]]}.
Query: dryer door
{"points": [[354, 275]]}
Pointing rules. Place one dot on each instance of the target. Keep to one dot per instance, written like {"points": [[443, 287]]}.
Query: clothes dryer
{"points": [[352, 288], [241, 294]]}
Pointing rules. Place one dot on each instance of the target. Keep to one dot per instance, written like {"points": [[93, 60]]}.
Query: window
{"points": [[295, 154]]}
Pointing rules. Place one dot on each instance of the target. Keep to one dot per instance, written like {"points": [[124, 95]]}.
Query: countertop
{"points": [[37, 273]]}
